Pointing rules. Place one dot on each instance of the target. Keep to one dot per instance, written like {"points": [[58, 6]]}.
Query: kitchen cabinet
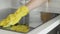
{"points": [[55, 30]]}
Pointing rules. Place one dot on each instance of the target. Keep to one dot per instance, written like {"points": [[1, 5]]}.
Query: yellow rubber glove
{"points": [[14, 18]]}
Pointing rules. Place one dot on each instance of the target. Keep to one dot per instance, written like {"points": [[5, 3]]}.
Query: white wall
{"points": [[15, 3], [54, 6], [55, 3], [18, 3], [5, 4]]}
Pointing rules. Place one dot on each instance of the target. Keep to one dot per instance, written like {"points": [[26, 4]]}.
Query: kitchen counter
{"points": [[42, 29]]}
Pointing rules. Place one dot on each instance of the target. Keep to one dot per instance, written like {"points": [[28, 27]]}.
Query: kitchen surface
{"points": [[42, 20]]}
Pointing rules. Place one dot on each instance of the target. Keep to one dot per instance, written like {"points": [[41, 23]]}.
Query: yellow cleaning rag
{"points": [[20, 28]]}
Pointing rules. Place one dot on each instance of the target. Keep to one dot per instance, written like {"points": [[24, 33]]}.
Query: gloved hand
{"points": [[14, 18]]}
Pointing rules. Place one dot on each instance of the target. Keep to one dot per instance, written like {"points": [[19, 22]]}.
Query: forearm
{"points": [[34, 3]]}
